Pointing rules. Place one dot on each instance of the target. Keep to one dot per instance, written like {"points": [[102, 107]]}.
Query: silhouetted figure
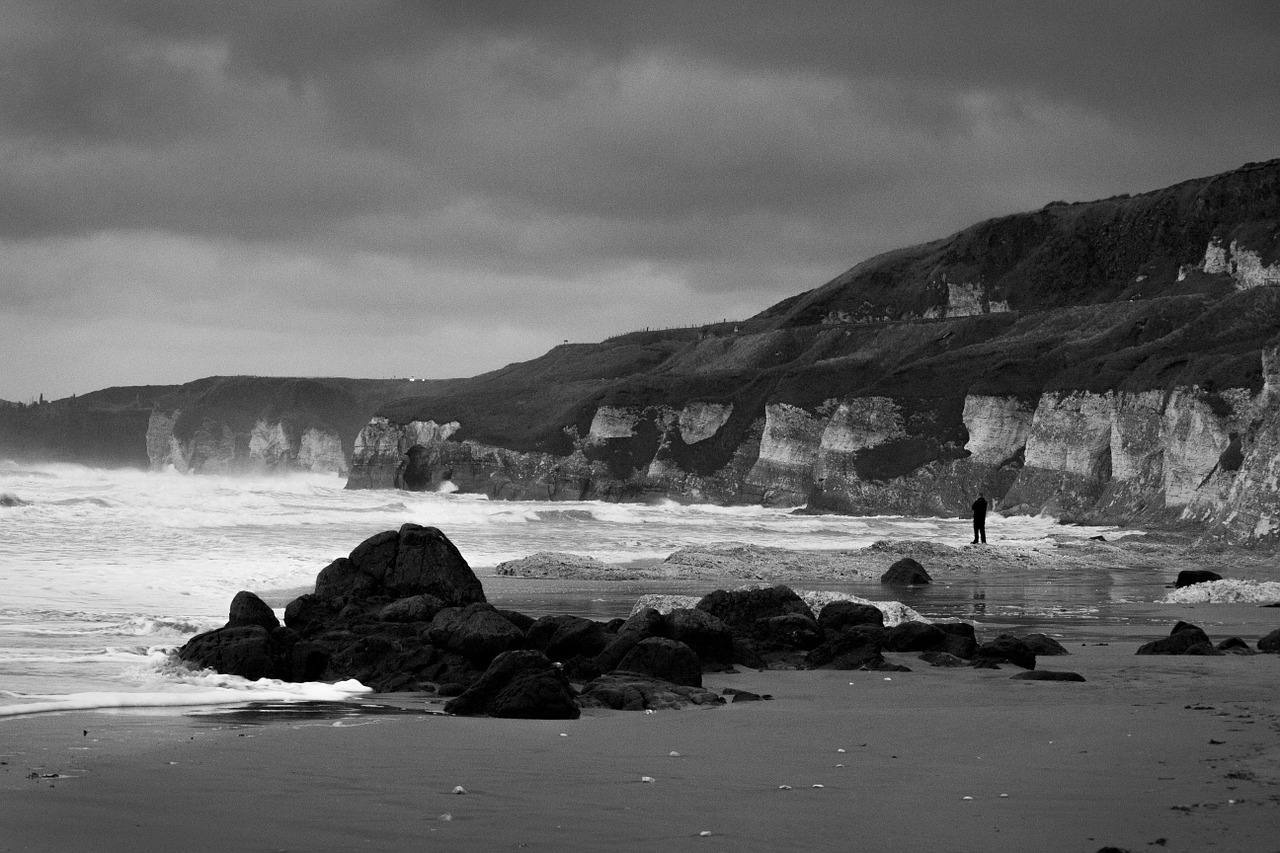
{"points": [[980, 520]]}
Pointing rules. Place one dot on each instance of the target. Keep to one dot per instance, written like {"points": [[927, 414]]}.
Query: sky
{"points": [[374, 189]]}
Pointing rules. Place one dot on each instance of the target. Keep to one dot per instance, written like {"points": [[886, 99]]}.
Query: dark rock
{"points": [[307, 661], [375, 555], [614, 624], [747, 653], [1044, 645], [709, 638], [669, 660], [1183, 637], [855, 648], [520, 620], [1270, 643], [450, 688], [520, 684], [958, 645], [984, 663], [1007, 648], [309, 614], [631, 691], [906, 572], [914, 637], [248, 609], [477, 632], [340, 580], [742, 608], [1046, 675], [642, 625], [789, 631], [1187, 577], [839, 615], [957, 629], [563, 637], [942, 659], [736, 695], [413, 608], [427, 562], [1235, 646], [248, 651]]}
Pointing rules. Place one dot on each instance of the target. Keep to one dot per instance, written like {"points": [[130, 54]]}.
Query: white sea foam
{"points": [[227, 693], [1226, 592]]}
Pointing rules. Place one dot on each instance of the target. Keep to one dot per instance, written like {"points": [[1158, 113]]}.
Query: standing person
{"points": [[980, 520]]}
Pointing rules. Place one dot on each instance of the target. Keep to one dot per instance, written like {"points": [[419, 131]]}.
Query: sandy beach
{"points": [[1149, 753]]}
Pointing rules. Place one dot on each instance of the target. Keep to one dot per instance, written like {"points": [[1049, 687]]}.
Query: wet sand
{"points": [[1150, 753]]}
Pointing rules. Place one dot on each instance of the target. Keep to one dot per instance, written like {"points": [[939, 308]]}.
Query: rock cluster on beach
{"points": [[404, 612]]}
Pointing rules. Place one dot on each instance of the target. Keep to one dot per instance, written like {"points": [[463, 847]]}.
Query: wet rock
{"points": [[520, 620], [1007, 648], [1044, 645], [1046, 675], [630, 691], [1270, 643], [906, 572], [1187, 577], [563, 637], [709, 638], [839, 615], [309, 614], [477, 632], [411, 561], [248, 609], [642, 625], [248, 651], [741, 609], [666, 659], [942, 659], [856, 648], [520, 684], [736, 695], [790, 631], [413, 608], [1235, 646], [1180, 641], [914, 637]]}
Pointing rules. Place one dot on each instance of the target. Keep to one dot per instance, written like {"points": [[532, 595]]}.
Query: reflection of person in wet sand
{"points": [[980, 520]]}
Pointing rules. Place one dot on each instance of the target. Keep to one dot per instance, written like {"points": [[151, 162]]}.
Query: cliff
{"points": [[254, 424], [1105, 361]]}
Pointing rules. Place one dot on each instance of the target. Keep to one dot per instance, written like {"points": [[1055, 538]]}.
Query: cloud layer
{"points": [[379, 188]]}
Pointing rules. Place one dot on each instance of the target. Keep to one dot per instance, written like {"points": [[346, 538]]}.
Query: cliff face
{"points": [[1112, 361], [237, 425]]}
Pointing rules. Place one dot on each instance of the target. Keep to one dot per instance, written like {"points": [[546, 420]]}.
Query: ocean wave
{"points": [[1226, 592]]}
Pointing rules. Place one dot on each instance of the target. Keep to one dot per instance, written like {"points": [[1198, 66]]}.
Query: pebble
{"points": [[784, 787], [1004, 796], [705, 833], [445, 816], [458, 789], [819, 786], [673, 754], [841, 749], [647, 779], [968, 798]]}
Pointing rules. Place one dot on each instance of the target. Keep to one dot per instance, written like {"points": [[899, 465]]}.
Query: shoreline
{"points": [[1147, 748]]}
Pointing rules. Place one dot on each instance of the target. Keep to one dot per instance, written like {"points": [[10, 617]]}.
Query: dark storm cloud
{"points": [[545, 160]]}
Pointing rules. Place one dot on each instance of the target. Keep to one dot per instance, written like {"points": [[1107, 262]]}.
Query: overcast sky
{"points": [[389, 189]]}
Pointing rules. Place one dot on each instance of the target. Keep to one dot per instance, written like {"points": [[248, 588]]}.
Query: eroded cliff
{"points": [[1110, 361]]}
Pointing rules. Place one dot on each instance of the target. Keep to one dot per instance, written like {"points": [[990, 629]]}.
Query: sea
{"points": [[105, 573]]}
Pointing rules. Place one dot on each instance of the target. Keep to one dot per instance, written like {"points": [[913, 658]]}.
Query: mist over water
{"points": [[104, 572]]}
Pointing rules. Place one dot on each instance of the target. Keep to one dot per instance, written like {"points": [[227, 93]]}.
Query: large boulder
{"points": [[248, 609], [478, 632], [522, 684], [1007, 648], [631, 691], [709, 638], [1185, 638], [412, 608], [414, 560], [839, 615], [859, 647], [906, 572], [1187, 577], [563, 637], [1044, 645], [915, 637], [249, 651], [667, 659], [791, 631], [1270, 643], [642, 625], [742, 608]]}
